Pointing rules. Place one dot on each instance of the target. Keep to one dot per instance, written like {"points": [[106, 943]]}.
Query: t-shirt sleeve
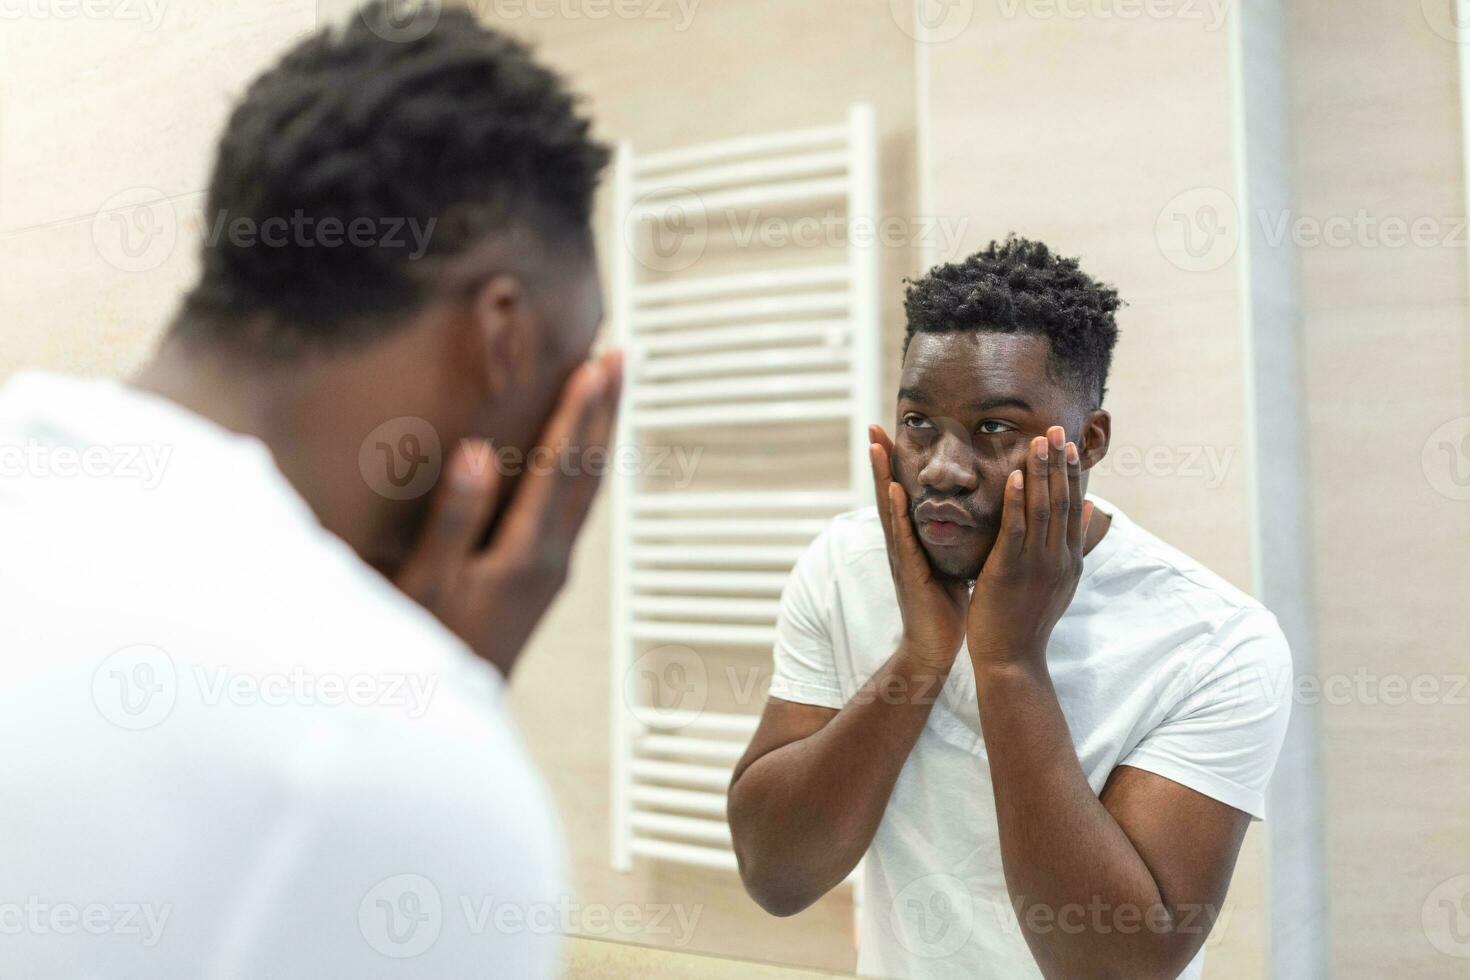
{"points": [[1223, 734], [805, 668]]}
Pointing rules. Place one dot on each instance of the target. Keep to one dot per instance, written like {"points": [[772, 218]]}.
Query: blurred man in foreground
{"points": [[253, 708]]}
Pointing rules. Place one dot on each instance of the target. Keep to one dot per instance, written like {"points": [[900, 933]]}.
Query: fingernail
{"points": [[599, 380], [1072, 456], [469, 464], [1041, 451], [1056, 434], [1017, 480]]}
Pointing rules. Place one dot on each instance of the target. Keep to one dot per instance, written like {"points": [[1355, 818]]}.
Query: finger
{"points": [[612, 363], [878, 435], [458, 514], [585, 478], [1061, 502], [881, 479], [545, 494], [880, 453], [910, 554], [605, 415], [1038, 494], [1076, 528], [1010, 541]]}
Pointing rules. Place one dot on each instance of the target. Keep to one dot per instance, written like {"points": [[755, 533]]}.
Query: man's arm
{"points": [[1124, 885], [1127, 884], [807, 797]]}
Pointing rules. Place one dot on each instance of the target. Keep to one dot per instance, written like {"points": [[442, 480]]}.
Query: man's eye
{"points": [[917, 422], [993, 427]]}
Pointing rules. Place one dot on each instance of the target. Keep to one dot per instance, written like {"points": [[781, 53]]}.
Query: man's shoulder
{"points": [[847, 558], [853, 536], [1145, 567], [378, 627]]}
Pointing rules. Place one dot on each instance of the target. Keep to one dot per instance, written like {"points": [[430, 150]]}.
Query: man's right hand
{"points": [[933, 611], [809, 793], [493, 596]]}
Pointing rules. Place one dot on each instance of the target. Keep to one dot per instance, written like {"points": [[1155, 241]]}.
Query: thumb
{"points": [[907, 551], [459, 513]]}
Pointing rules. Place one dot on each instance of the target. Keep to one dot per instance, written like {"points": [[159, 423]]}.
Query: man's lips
{"points": [[943, 522], [945, 532]]}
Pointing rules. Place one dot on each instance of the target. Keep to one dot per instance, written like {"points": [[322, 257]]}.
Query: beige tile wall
{"points": [[1386, 341], [101, 111]]}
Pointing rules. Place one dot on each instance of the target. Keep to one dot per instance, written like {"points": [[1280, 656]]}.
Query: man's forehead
{"points": [[976, 359]]}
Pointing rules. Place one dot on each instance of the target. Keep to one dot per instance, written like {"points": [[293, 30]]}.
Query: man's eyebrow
{"points": [[978, 405], [1001, 401]]}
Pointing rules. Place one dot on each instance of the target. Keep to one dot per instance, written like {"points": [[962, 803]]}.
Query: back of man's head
{"points": [[362, 167]]}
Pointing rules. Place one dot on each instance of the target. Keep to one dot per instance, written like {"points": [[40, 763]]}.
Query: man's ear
{"points": [[1097, 434], [504, 334]]}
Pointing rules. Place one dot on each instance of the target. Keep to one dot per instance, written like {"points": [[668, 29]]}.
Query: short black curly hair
{"points": [[430, 144], [1021, 286]]}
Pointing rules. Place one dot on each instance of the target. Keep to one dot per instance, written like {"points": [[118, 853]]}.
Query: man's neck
{"points": [[1096, 528], [313, 415]]}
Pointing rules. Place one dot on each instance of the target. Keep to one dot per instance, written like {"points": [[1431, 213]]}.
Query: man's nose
{"points": [[950, 467]]}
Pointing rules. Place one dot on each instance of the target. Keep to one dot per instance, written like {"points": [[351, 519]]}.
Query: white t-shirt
{"points": [[230, 748], [1158, 664]]}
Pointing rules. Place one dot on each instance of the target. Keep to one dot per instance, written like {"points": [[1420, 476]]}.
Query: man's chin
{"points": [[955, 568]]}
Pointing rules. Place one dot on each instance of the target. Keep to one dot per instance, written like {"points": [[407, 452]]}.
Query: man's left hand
{"points": [[1032, 571]]}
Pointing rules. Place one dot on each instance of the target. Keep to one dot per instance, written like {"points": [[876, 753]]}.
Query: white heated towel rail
{"points": [[791, 343]]}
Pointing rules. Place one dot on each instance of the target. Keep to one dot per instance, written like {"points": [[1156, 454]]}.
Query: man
{"points": [[236, 746], [1046, 729]]}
